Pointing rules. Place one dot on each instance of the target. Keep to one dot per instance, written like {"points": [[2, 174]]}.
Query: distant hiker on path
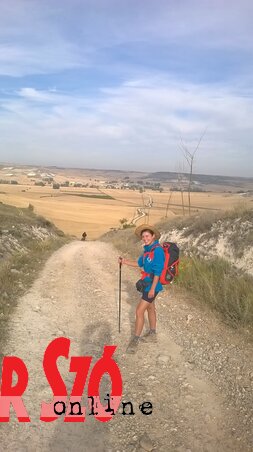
{"points": [[84, 235], [152, 263]]}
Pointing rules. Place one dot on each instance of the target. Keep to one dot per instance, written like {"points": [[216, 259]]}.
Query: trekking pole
{"points": [[120, 265]]}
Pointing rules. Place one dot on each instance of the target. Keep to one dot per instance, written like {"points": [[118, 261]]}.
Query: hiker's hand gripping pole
{"points": [[129, 262]]}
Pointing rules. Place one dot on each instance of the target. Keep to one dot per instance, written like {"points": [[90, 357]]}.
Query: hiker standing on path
{"points": [[152, 263]]}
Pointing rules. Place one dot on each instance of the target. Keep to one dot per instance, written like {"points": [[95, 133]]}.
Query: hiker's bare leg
{"points": [[139, 320], [152, 315]]}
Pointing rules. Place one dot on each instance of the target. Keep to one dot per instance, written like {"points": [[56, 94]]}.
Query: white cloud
{"points": [[32, 42], [135, 125], [144, 115], [45, 37], [47, 58], [38, 95]]}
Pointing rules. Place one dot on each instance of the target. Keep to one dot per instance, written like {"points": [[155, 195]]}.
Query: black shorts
{"points": [[145, 297]]}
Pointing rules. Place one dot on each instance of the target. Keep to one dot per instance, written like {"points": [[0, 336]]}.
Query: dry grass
{"points": [[18, 270], [26, 266], [125, 241], [201, 223], [216, 284]]}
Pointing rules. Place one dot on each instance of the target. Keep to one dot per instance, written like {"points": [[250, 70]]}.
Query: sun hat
{"points": [[138, 231]]}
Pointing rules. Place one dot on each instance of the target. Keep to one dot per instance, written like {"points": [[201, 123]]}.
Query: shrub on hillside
{"points": [[217, 284]]}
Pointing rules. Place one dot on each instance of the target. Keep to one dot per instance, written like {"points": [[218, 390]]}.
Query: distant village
{"points": [[42, 179]]}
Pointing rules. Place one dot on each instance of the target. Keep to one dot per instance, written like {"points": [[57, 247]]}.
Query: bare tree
{"points": [[180, 178], [168, 203], [189, 157]]}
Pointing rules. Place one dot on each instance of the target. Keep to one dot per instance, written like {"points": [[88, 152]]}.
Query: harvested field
{"points": [[95, 211]]}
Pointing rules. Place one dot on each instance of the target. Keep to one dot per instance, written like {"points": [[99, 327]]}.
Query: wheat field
{"points": [[75, 214]]}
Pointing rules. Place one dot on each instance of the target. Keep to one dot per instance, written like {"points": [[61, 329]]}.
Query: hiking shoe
{"points": [[149, 337], [133, 345]]}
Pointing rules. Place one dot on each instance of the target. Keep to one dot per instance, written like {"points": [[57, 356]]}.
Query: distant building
{"points": [[47, 178]]}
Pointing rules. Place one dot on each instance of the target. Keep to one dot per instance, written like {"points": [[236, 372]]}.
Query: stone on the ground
{"points": [[146, 443]]}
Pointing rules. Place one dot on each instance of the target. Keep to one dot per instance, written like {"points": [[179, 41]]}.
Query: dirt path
{"points": [[197, 376]]}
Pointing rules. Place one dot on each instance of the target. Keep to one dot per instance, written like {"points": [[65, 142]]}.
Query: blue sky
{"points": [[119, 83]]}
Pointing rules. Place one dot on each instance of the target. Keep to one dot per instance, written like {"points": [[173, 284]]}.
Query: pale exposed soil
{"points": [[198, 375]]}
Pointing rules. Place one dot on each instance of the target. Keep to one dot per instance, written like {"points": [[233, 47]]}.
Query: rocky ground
{"points": [[198, 376], [227, 238], [10, 238]]}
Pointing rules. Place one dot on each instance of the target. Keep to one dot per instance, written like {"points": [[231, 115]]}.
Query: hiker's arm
{"points": [[129, 262], [157, 268], [154, 284]]}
